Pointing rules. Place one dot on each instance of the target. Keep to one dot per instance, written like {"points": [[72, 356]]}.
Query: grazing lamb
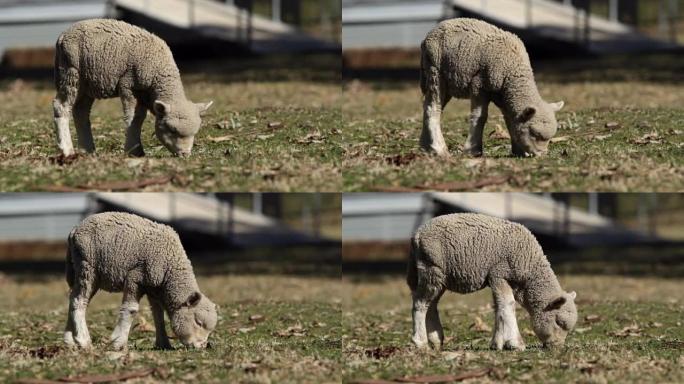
{"points": [[123, 252], [467, 252], [100, 59], [468, 58]]}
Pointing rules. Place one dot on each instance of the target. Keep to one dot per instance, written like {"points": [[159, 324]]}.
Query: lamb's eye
{"points": [[559, 324], [199, 323]]}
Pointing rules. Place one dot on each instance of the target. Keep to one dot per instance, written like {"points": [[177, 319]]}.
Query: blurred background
{"points": [[603, 233], [194, 29], [222, 232], [389, 32]]}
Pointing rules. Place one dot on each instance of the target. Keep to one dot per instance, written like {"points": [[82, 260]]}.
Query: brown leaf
{"points": [[295, 331], [143, 325], [559, 139], [499, 133], [45, 352], [256, 318], [275, 124], [592, 318], [480, 326], [649, 138], [466, 185], [109, 377], [121, 185], [381, 352], [219, 139], [63, 160], [612, 124], [401, 159], [445, 378], [630, 330]]}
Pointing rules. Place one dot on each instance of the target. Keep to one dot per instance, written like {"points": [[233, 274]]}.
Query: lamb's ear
{"points": [[556, 304], [161, 108], [557, 106], [202, 107], [572, 295], [193, 300], [527, 113]]}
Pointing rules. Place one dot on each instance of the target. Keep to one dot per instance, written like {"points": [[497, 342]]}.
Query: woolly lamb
{"points": [[466, 252], [123, 252], [100, 59], [467, 58]]}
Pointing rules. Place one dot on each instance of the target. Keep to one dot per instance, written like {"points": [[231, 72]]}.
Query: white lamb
{"points": [[468, 58], [465, 253], [122, 252], [101, 59]]}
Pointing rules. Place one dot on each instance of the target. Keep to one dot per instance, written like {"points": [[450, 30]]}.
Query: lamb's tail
{"points": [[69, 262], [412, 268], [423, 66]]}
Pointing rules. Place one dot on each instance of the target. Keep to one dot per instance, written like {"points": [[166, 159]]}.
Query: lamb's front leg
{"points": [[134, 115], [161, 338], [506, 333], [479, 108], [129, 308]]}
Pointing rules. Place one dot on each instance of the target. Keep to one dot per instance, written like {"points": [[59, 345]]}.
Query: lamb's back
{"points": [[114, 243], [469, 248]]}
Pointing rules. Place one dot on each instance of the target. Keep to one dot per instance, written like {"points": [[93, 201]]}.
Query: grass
{"points": [[621, 130], [296, 340], [629, 330], [273, 127]]}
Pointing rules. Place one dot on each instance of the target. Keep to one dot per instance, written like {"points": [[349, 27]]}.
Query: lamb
{"points": [[466, 252], [123, 252], [468, 58], [100, 59]]}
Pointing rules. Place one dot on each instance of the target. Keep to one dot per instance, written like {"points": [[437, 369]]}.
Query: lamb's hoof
{"points": [[136, 152], [85, 344], [473, 152], [420, 344], [163, 346], [513, 345], [496, 345], [69, 339]]}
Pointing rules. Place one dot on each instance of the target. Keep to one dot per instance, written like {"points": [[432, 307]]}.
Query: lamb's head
{"points": [[553, 323], [532, 130], [194, 320], [177, 124]]}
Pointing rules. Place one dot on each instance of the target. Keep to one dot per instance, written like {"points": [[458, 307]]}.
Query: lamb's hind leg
{"points": [[479, 108], [81, 113], [435, 99], [435, 332], [79, 298], [129, 308], [427, 291], [67, 89], [134, 116], [506, 333]]}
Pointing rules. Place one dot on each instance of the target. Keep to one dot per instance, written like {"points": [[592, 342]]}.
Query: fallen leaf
{"points": [[246, 329], [445, 378], [143, 325], [275, 124], [559, 139], [480, 326], [583, 330], [649, 138], [612, 125], [45, 352], [400, 159], [256, 318], [109, 377], [630, 330], [295, 331], [63, 160], [499, 133], [219, 139], [592, 318], [381, 352]]}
